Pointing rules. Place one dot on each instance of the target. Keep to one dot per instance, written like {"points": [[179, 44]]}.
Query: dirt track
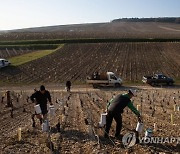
{"points": [[79, 114]]}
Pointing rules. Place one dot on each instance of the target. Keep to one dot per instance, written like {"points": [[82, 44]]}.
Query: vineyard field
{"points": [[130, 61]]}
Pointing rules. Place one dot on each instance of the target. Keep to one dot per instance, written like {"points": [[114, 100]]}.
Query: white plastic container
{"points": [[148, 133], [45, 126], [38, 109], [178, 108], [51, 110], [59, 102], [155, 127], [139, 127], [103, 119]]}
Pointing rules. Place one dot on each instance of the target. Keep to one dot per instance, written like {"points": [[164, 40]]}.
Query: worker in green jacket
{"points": [[115, 108]]}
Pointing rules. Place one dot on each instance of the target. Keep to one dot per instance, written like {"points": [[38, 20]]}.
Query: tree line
{"points": [[160, 19]]}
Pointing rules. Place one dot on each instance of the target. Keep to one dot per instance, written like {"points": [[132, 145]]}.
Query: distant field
{"points": [[130, 61], [130, 49], [97, 30]]}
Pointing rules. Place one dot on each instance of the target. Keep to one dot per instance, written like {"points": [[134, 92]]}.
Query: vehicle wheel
{"points": [[153, 84], [117, 85], [170, 83], [95, 85]]}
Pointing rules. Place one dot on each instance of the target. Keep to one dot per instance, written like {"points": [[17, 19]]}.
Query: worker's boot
{"points": [[33, 120], [34, 124], [58, 127], [118, 136], [41, 121], [106, 135]]}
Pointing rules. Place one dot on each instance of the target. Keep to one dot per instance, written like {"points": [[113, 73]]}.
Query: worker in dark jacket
{"points": [[68, 86], [41, 97], [115, 109]]}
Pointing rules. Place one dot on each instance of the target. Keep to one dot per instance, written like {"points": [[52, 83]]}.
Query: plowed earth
{"points": [[130, 61]]}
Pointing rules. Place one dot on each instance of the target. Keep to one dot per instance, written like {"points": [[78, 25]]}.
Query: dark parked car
{"points": [[158, 79]]}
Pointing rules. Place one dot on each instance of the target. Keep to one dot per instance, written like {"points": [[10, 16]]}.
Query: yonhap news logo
{"points": [[160, 140], [129, 140]]}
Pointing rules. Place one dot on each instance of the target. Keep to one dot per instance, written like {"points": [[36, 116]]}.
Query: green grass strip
{"points": [[22, 59], [19, 60]]}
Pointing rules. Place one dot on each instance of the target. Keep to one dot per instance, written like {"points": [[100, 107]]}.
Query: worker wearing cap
{"points": [[115, 108], [41, 97]]}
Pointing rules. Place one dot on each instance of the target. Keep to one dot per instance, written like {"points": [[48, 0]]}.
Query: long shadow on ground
{"points": [[82, 137], [10, 71], [163, 147]]}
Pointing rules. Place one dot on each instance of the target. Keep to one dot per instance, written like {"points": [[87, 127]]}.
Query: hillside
{"points": [[128, 48], [97, 30]]}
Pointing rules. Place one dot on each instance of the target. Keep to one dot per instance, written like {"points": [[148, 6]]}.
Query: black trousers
{"points": [[109, 118], [44, 108], [68, 88]]}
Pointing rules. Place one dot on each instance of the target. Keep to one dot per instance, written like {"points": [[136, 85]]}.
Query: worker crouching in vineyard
{"points": [[41, 97], [114, 110]]}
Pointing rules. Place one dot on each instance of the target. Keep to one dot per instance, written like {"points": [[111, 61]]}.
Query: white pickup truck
{"points": [[4, 62], [108, 78]]}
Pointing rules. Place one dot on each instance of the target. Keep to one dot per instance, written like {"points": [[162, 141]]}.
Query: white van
{"points": [[107, 78], [4, 62]]}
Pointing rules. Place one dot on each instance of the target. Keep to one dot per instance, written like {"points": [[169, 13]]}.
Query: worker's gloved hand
{"points": [[140, 118]]}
